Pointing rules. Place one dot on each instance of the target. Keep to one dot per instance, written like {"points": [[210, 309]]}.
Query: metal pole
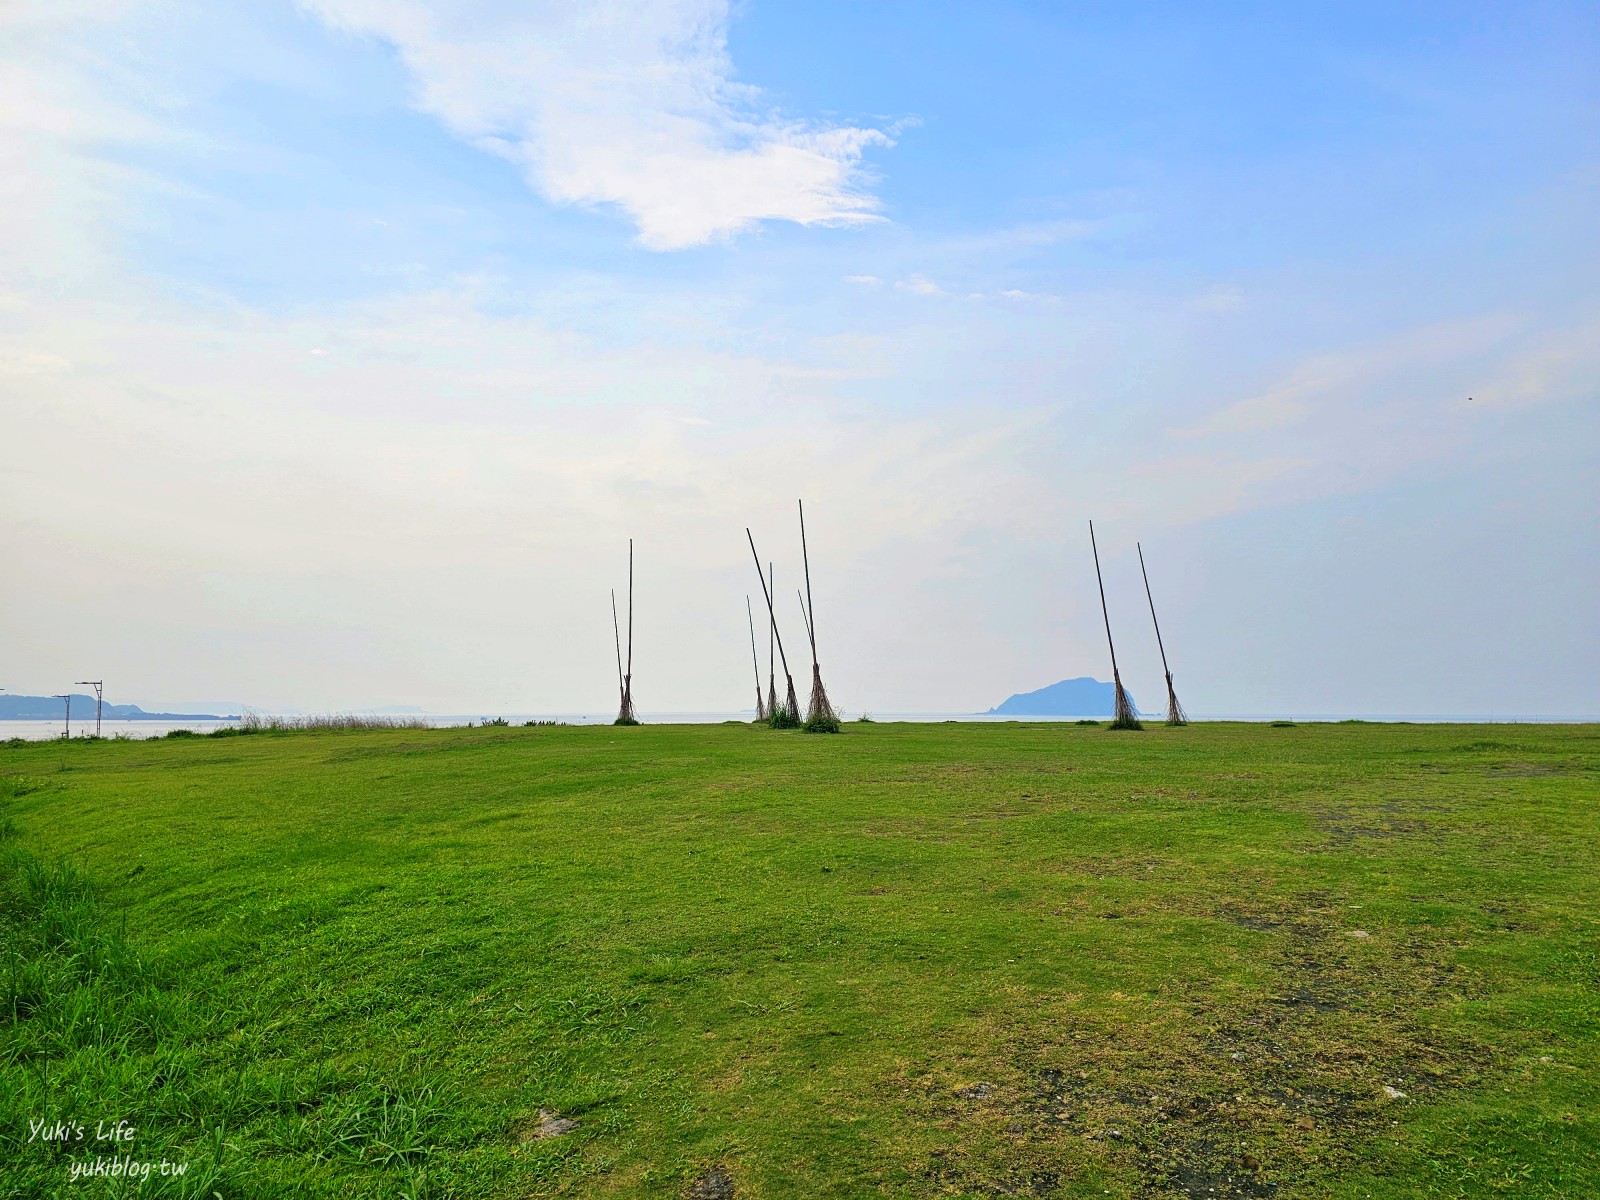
{"points": [[68, 699], [99, 699]]}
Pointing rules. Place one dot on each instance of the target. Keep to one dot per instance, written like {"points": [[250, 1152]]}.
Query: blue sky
{"points": [[367, 331]]}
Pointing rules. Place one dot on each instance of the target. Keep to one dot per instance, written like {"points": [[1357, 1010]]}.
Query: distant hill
{"points": [[51, 708], [1082, 697]]}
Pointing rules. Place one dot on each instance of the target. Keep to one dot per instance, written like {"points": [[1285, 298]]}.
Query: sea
{"points": [[46, 730]]}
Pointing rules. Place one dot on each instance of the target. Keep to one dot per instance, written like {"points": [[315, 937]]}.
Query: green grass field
{"points": [[915, 960]]}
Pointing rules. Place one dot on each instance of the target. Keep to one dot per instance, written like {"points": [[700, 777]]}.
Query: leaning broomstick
{"points": [[772, 659], [1175, 713], [616, 634], [1125, 717], [785, 715], [755, 662], [625, 714], [820, 717]]}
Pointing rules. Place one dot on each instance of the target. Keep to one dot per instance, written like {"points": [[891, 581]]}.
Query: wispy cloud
{"points": [[1365, 378], [629, 103], [1557, 365]]}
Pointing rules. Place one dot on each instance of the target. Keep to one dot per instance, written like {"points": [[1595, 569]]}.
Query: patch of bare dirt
{"points": [[715, 1184], [1214, 1098]]}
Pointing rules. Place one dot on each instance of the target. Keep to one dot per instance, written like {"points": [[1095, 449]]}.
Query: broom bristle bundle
{"points": [[820, 716], [1126, 717], [1175, 713], [787, 714], [626, 715]]}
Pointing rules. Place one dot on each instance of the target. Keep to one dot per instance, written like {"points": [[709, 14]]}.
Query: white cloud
{"points": [[864, 280], [629, 103], [920, 286]]}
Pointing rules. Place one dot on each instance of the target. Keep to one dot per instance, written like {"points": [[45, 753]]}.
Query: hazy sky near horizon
{"points": [[344, 344]]}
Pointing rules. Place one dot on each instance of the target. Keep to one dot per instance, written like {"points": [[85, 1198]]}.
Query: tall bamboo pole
{"points": [[772, 659], [625, 714], [1175, 713], [755, 661], [616, 634], [791, 704], [1125, 717], [811, 617], [820, 717], [630, 616]]}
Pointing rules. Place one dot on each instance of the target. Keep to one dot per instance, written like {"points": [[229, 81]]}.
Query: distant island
{"points": [[51, 708], [1082, 697]]}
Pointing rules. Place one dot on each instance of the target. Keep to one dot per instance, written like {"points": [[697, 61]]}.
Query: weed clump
{"points": [[254, 722], [822, 725]]}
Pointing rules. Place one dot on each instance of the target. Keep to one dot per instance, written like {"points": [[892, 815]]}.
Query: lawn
{"points": [[1341, 960]]}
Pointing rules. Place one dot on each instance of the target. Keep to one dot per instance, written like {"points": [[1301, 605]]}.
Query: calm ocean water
{"points": [[44, 730]]}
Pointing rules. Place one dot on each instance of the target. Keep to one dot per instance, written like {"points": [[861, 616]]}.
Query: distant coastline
{"points": [[53, 708]]}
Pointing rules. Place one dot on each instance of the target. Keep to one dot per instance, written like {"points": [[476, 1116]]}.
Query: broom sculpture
{"points": [[1175, 713], [755, 662], [625, 714], [1125, 717], [772, 673], [820, 717], [785, 715]]}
